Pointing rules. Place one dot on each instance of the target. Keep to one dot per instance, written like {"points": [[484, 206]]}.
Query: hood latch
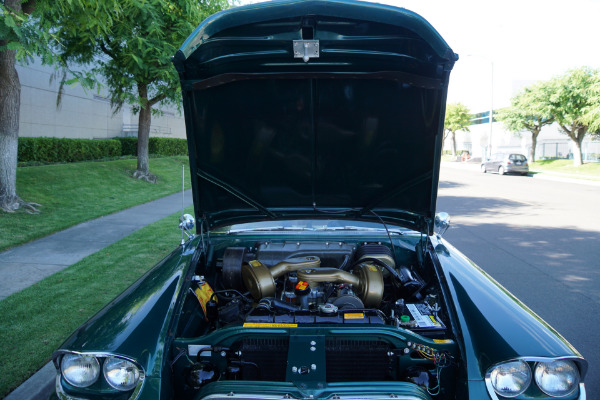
{"points": [[306, 49]]}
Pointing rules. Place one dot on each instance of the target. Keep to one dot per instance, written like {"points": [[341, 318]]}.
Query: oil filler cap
{"points": [[302, 288]]}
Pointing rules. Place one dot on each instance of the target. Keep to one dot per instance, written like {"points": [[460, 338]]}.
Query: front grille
{"points": [[264, 359], [357, 360], [346, 360]]}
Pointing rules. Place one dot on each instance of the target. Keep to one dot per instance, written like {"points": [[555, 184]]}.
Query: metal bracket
{"points": [[306, 49]]}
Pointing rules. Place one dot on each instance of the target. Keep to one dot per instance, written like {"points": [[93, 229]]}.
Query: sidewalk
{"points": [[22, 266]]}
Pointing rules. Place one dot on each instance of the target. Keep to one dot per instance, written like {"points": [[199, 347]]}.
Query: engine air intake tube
{"points": [[366, 279], [260, 279]]}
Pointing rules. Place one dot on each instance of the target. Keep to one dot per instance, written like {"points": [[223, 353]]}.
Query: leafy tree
{"points": [[592, 112], [134, 56], [458, 118], [574, 103], [23, 35], [529, 110]]}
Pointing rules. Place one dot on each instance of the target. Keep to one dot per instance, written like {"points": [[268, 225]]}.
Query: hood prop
{"points": [[186, 221]]}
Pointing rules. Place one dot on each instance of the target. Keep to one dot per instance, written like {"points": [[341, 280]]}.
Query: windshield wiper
{"points": [[357, 228], [271, 229]]}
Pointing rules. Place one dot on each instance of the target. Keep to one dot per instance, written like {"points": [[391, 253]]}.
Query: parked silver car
{"points": [[504, 163]]}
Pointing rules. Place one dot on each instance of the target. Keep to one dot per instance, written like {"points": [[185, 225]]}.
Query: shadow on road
{"points": [[449, 185], [470, 205], [553, 270]]}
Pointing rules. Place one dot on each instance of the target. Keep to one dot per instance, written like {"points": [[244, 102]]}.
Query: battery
{"points": [[423, 317]]}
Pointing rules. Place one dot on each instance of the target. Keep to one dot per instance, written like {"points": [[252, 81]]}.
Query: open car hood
{"points": [[315, 109]]}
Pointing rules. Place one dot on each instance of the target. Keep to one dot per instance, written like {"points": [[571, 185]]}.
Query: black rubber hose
{"points": [[344, 266]]}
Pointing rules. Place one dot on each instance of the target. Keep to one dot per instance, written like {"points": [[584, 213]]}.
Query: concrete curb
{"points": [[38, 387]]}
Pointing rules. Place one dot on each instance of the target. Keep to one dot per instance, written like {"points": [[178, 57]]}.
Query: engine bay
{"points": [[304, 312], [320, 282]]}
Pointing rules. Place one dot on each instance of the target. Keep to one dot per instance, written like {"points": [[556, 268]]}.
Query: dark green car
{"points": [[315, 133]]}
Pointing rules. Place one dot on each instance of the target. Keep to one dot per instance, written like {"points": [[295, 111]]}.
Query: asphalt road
{"points": [[541, 240]]}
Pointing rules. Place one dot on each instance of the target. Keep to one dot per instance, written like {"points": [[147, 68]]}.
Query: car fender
{"points": [[136, 324], [494, 325]]}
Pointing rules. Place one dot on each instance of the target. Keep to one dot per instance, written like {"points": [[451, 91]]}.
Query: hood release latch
{"points": [[306, 49]]}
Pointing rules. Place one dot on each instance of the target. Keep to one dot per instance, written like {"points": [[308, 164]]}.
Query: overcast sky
{"points": [[525, 40]]}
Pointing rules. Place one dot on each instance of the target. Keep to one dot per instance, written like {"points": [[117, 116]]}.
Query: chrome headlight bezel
{"points": [[71, 360], [522, 373], [99, 384], [534, 391], [111, 364], [538, 371]]}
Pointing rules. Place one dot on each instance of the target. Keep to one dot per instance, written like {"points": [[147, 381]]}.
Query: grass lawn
{"points": [[77, 192], [35, 321], [561, 167]]}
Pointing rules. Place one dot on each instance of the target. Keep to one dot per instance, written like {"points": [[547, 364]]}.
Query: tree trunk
{"points": [[534, 135], [444, 134], [10, 103], [144, 120], [577, 158], [453, 138]]}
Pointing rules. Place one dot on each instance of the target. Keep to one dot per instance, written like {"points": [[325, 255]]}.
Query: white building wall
{"points": [[551, 143], [82, 114]]}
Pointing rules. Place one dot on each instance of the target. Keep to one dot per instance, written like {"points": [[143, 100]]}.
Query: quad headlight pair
{"points": [[82, 370], [555, 378]]}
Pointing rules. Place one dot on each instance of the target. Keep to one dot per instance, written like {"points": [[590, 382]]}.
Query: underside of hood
{"points": [[315, 109]]}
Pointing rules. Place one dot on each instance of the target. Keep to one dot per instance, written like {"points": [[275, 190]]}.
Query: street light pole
{"points": [[491, 107], [491, 116]]}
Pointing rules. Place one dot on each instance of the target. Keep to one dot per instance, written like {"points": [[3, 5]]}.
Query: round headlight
{"points": [[557, 378], [121, 374], [80, 370], [510, 379]]}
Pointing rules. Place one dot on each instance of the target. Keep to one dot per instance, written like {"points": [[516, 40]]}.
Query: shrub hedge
{"points": [[52, 150], [128, 146], [156, 145]]}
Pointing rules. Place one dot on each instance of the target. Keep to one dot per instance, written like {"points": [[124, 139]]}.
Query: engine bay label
{"points": [[354, 315], [268, 325], [422, 320]]}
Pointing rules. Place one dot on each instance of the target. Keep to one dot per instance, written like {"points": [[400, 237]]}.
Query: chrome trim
{"points": [[60, 392], [140, 372], [442, 223], [535, 359], [387, 396], [488, 380], [99, 354], [542, 390], [195, 348], [257, 396], [247, 396], [490, 388], [582, 394], [83, 355]]}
